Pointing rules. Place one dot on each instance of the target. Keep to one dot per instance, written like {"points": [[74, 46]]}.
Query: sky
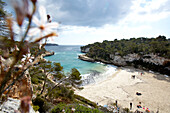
{"points": [[84, 22]]}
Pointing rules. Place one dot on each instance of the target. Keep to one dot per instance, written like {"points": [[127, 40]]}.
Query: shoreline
{"points": [[155, 90], [88, 59]]}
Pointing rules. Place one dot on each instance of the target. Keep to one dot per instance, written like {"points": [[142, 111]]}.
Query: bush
{"points": [[86, 101], [59, 108], [39, 88], [83, 109], [61, 92], [126, 109], [34, 80], [42, 103], [36, 108], [73, 108], [71, 95]]}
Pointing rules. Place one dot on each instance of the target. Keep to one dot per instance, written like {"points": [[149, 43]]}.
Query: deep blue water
{"points": [[67, 56]]}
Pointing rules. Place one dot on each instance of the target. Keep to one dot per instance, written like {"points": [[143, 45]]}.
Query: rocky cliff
{"points": [[47, 53], [85, 58], [85, 50], [12, 106], [148, 61]]}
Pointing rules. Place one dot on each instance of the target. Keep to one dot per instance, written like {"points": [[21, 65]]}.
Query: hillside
{"points": [[144, 53]]}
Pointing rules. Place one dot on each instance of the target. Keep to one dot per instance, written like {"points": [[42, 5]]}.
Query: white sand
{"points": [[121, 87]]}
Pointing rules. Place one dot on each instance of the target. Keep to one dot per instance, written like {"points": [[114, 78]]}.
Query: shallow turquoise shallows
{"points": [[67, 56]]}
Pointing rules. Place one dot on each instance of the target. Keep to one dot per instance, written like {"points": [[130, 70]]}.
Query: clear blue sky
{"points": [[89, 21]]}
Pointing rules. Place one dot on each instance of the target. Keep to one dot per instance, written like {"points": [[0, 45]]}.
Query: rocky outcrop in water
{"points": [[47, 53], [85, 58]]}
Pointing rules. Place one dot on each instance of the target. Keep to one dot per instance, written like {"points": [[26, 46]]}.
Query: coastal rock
{"points": [[131, 57], [151, 58], [85, 58], [11, 105], [117, 60], [47, 53], [148, 61]]}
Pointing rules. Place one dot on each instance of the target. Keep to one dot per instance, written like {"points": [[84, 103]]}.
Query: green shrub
{"points": [[42, 103], [80, 98], [127, 110], [71, 95], [61, 92], [34, 80], [77, 109], [58, 108], [39, 88], [36, 108], [83, 109]]}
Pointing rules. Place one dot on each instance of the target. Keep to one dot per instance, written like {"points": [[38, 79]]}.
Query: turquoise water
{"points": [[67, 56]]}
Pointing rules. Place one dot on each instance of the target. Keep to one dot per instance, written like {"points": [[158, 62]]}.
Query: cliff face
{"points": [[12, 106], [85, 58], [85, 50], [147, 61], [130, 58]]}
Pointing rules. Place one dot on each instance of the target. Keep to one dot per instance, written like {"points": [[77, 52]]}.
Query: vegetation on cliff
{"points": [[143, 48], [54, 90]]}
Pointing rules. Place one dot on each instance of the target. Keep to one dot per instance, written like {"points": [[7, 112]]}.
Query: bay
{"points": [[67, 56]]}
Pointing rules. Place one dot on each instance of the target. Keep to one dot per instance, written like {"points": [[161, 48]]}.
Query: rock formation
{"points": [[148, 61]]}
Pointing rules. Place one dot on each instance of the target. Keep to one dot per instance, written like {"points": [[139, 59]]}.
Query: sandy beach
{"points": [[154, 89]]}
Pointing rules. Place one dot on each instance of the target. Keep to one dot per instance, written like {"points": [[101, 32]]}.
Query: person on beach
{"points": [[130, 106]]}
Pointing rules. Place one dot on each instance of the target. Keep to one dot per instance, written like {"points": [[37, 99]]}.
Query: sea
{"points": [[67, 56]]}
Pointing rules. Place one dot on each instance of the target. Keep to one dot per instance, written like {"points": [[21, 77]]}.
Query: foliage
{"points": [[59, 108], [36, 108], [126, 110], [15, 58], [63, 93], [74, 78], [35, 50], [86, 101], [62, 90], [42, 103], [58, 71], [34, 80], [142, 45], [2, 12], [36, 75]]}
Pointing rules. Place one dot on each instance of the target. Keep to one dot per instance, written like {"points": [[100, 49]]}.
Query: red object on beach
{"points": [[147, 109]]}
